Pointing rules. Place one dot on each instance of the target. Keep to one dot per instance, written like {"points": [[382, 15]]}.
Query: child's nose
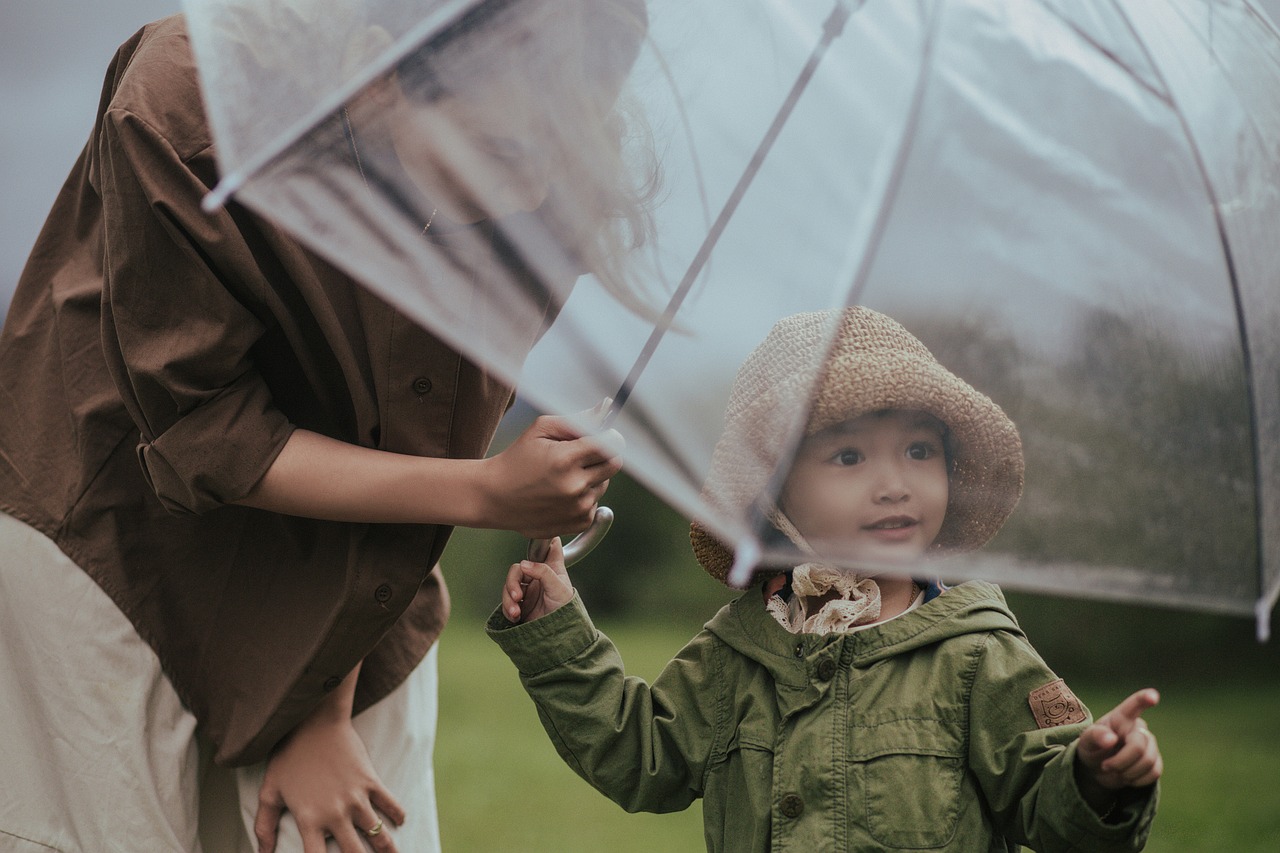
{"points": [[892, 486]]}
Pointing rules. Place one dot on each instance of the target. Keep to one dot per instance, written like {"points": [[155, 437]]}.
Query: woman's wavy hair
{"points": [[574, 57]]}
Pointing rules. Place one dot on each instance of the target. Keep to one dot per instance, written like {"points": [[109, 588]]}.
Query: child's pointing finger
{"points": [[1125, 716], [1118, 748]]}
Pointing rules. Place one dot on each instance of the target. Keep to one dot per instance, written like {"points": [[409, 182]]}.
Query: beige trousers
{"points": [[98, 755]]}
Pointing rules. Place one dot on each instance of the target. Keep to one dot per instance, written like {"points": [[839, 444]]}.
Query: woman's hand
{"points": [[551, 478], [548, 482], [322, 775]]}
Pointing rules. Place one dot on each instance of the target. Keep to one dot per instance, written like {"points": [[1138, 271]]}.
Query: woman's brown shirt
{"points": [[154, 362]]}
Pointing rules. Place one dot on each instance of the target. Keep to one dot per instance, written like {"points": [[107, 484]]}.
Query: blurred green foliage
{"points": [[643, 568], [1137, 448], [644, 571]]}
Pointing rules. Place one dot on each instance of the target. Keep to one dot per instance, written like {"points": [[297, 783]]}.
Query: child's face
{"points": [[872, 488]]}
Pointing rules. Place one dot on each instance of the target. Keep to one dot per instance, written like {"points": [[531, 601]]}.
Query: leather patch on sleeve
{"points": [[1055, 705]]}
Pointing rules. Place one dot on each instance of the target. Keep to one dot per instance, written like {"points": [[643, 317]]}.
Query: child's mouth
{"points": [[896, 527], [895, 523]]}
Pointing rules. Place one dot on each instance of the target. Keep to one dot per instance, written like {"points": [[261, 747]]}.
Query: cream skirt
{"points": [[97, 753]]}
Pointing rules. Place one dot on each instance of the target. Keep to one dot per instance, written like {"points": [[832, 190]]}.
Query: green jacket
{"points": [[915, 734]]}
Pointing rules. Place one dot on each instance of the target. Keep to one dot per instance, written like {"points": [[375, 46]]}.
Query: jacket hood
{"points": [[747, 627]]}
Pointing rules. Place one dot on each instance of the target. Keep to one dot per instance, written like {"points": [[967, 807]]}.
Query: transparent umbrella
{"points": [[1073, 204]]}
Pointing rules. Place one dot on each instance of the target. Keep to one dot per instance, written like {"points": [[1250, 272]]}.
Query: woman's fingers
{"points": [[602, 450], [314, 839], [267, 823], [381, 799], [375, 829]]}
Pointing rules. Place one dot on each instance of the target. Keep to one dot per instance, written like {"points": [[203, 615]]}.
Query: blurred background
{"points": [[501, 785]]}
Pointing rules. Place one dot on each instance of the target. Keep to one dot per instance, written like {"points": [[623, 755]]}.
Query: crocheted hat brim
{"points": [[874, 364]]}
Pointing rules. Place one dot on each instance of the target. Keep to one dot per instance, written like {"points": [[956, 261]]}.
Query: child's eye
{"points": [[921, 450], [847, 456]]}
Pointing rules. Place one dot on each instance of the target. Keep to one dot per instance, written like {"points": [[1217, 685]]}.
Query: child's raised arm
{"points": [[1118, 751], [534, 589]]}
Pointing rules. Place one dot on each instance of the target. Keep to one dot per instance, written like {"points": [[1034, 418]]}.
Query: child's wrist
{"points": [[1100, 799]]}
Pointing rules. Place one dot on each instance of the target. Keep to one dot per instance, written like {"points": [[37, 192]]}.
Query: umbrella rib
{"points": [[433, 25], [1165, 96], [831, 29], [1263, 620], [744, 561]]}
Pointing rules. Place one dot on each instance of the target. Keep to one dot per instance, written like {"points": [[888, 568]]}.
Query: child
{"points": [[830, 710]]}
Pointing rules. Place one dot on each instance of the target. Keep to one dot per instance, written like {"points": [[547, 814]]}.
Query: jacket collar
{"points": [[795, 660]]}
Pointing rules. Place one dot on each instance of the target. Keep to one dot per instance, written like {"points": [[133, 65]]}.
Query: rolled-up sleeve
{"points": [[178, 324], [1027, 773]]}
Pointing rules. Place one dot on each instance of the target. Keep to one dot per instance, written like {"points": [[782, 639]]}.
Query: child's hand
{"points": [[1118, 751], [534, 589]]}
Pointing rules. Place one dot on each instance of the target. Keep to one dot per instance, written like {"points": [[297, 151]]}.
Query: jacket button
{"points": [[330, 684], [382, 594], [826, 669], [792, 806], [799, 650], [422, 385]]}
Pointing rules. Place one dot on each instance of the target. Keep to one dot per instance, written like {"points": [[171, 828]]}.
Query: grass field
{"points": [[503, 788]]}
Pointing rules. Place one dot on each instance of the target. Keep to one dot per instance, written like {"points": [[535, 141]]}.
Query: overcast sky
{"points": [[53, 54]]}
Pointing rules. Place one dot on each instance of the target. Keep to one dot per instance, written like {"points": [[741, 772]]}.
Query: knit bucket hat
{"points": [[842, 364]]}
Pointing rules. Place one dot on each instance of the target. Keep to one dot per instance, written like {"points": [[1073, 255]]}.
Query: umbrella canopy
{"points": [[1073, 204]]}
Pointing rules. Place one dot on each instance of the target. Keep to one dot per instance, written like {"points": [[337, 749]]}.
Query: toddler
{"points": [[828, 709]]}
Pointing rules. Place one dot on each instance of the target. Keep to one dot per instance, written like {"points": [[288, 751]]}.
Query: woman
{"points": [[227, 472]]}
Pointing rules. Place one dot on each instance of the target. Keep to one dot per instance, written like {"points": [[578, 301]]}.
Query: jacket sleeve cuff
{"points": [[218, 451], [1127, 825], [545, 643]]}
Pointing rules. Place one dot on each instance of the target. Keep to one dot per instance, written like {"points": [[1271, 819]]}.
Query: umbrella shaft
{"points": [[831, 29]]}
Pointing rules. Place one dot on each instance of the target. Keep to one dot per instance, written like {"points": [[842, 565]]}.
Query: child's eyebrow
{"points": [[842, 428], [916, 420], [924, 420]]}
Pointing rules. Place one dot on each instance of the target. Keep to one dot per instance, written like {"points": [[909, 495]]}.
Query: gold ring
{"points": [[376, 829]]}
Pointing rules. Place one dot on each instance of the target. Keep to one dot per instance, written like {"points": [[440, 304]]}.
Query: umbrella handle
{"points": [[578, 547]]}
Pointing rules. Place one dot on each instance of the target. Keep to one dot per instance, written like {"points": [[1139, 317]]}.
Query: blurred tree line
{"points": [[644, 570], [1139, 456]]}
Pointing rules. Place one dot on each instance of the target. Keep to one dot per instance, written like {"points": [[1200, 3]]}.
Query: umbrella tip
{"points": [[746, 556], [217, 198], [1263, 611]]}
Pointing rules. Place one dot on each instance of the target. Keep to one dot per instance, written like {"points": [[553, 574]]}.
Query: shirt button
{"points": [[422, 385], [826, 669], [330, 684], [382, 594], [792, 806]]}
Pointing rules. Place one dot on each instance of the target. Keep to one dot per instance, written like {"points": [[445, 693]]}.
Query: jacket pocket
{"points": [[736, 803], [905, 776]]}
